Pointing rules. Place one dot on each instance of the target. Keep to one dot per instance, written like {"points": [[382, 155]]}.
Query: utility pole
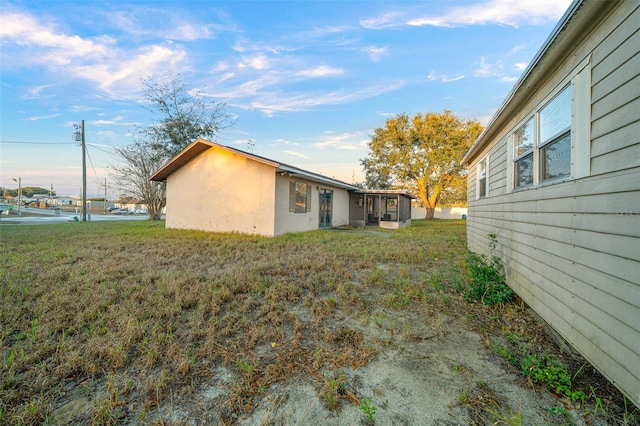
{"points": [[105, 196], [19, 192], [78, 136], [51, 196], [84, 174]]}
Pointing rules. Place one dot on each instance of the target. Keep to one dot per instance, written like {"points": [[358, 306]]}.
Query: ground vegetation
{"points": [[129, 323]]}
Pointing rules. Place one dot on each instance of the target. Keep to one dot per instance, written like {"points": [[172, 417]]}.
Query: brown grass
{"points": [[129, 317]]}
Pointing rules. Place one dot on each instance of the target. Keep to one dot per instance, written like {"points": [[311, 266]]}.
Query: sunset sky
{"points": [[307, 81]]}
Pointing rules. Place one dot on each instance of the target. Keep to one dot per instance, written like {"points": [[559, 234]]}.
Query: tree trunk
{"points": [[430, 212]]}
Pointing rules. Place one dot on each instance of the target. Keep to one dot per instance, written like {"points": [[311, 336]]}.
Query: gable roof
{"points": [[580, 17], [200, 145]]}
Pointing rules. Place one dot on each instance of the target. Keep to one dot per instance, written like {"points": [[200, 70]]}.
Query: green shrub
{"points": [[487, 277]]}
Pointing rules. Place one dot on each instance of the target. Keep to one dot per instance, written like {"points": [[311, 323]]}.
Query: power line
{"points": [[37, 143]]}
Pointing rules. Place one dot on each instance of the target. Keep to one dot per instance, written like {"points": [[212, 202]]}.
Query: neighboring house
{"points": [[556, 176], [68, 201], [212, 187]]}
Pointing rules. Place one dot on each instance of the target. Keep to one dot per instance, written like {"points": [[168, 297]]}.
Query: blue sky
{"points": [[306, 81]]}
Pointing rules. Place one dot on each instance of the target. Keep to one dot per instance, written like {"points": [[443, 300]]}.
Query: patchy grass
{"points": [[111, 323]]}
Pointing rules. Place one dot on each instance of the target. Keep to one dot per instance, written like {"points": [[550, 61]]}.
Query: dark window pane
{"points": [[555, 158], [482, 187], [524, 171]]}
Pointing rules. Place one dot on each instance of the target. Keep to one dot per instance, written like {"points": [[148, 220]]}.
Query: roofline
{"points": [[297, 172], [193, 150], [385, 191], [537, 68], [200, 145]]}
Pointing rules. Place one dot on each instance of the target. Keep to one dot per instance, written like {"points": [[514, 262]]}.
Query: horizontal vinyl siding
{"points": [[572, 250]]}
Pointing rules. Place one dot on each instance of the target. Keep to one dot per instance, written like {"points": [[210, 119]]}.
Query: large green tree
{"points": [[180, 114], [423, 155]]}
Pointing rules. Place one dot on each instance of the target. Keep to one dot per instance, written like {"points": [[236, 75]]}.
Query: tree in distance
{"points": [[181, 118], [422, 155], [139, 161]]}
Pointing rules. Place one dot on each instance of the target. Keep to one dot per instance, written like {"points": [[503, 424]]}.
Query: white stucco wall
{"points": [[221, 191], [286, 221]]}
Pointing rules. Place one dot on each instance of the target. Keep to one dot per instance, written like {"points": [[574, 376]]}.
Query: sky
{"points": [[306, 82]]}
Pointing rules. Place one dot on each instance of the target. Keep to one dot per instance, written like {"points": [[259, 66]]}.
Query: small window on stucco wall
{"points": [[299, 197]]}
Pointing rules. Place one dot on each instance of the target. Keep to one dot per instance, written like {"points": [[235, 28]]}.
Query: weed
{"points": [[505, 353], [368, 409], [629, 417], [458, 368], [332, 391], [546, 370], [487, 277], [463, 397], [247, 368], [561, 412], [509, 419], [379, 319], [597, 401]]}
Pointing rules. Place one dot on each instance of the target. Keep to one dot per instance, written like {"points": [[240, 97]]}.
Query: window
{"points": [[544, 156], [553, 144], [299, 197], [555, 137], [482, 178], [523, 145]]}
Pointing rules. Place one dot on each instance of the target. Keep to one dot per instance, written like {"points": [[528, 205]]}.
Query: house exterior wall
{"points": [[286, 221], [571, 249], [221, 191]]}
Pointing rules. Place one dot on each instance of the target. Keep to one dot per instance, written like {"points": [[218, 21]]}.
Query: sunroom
{"points": [[384, 208]]}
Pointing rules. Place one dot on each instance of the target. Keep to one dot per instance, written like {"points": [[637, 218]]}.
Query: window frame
{"points": [[530, 152], [482, 164], [577, 134], [299, 197]]}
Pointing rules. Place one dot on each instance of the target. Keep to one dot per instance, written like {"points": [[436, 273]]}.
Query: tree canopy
{"points": [[181, 115], [423, 155]]}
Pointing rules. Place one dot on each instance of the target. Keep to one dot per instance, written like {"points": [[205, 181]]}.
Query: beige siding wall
{"points": [[572, 250], [286, 221], [222, 192]]}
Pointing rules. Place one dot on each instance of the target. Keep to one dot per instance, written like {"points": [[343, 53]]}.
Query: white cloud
{"points": [[321, 71], [521, 66], [269, 103], [500, 12], [259, 62], [485, 69], [296, 154], [376, 53], [44, 117], [384, 21], [98, 60], [342, 141], [443, 78]]}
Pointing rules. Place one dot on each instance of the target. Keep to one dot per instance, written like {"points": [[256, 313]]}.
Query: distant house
{"points": [[67, 201], [213, 187], [556, 176]]}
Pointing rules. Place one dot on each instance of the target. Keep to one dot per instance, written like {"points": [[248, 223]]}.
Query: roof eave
{"points": [[544, 61]]}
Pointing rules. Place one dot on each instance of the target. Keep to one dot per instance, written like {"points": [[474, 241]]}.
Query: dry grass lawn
{"points": [[112, 323]]}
